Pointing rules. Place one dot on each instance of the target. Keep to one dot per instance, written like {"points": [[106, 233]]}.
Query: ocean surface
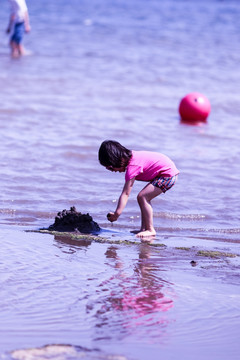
{"points": [[105, 69]]}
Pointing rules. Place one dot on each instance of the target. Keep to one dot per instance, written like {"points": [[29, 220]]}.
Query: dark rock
{"points": [[193, 263], [72, 220]]}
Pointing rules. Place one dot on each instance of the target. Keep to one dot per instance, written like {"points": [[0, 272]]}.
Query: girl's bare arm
{"points": [[122, 201]]}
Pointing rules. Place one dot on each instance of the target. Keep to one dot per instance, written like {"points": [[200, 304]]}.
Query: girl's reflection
{"points": [[134, 298], [142, 292], [142, 297]]}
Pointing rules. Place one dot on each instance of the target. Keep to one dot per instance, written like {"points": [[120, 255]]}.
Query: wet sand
{"points": [[197, 255], [122, 314]]}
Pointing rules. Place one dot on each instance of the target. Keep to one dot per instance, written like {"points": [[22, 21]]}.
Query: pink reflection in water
{"points": [[143, 297], [146, 302]]}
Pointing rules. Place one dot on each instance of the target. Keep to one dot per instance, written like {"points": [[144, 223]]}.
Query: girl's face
{"points": [[121, 169]]}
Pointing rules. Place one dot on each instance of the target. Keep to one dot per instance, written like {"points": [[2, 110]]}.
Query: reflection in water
{"points": [[135, 302], [115, 298], [120, 295], [62, 240]]}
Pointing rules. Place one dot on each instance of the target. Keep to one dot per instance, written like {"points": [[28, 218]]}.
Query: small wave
{"points": [[173, 216], [28, 213], [226, 231], [199, 230], [7, 211]]}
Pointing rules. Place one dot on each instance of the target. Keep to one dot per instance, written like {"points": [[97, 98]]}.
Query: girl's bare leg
{"points": [[144, 198], [17, 49], [142, 226], [14, 49], [21, 49]]}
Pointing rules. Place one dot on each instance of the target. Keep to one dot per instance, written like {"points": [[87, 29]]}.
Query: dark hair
{"points": [[112, 153]]}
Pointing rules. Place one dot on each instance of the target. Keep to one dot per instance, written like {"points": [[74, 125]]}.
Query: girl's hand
{"points": [[27, 28], [112, 216]]}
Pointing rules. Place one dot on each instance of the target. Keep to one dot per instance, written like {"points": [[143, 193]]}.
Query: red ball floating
{"points": [[194, 108]]}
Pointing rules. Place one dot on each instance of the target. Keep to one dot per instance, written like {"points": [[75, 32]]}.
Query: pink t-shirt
{"points": [[146, 165]]}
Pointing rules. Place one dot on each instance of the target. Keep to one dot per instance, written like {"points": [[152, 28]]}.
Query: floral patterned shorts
{"points": [[164, 183]]}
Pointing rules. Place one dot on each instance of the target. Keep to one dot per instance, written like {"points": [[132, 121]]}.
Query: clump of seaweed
{"points": [[215, 254], [72, 220]]}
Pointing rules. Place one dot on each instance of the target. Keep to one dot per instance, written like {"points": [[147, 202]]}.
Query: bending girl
{"points": [[155, 168]]}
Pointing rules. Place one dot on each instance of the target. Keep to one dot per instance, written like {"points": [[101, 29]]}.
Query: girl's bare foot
{"points": [[146, 233]]}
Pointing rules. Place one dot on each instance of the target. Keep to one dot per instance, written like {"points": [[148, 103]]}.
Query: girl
{"points": [[19, 23], [157, 169]]}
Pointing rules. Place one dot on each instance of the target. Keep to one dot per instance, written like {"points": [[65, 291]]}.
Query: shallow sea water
{"points": [[133, 301], [118, 70]]}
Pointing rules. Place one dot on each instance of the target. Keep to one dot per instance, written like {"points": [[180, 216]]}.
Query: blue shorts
{"points": [[18, 33], [164, 183]]}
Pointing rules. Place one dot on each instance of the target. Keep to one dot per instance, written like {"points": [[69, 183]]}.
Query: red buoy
{"points": [[194, 108]]}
